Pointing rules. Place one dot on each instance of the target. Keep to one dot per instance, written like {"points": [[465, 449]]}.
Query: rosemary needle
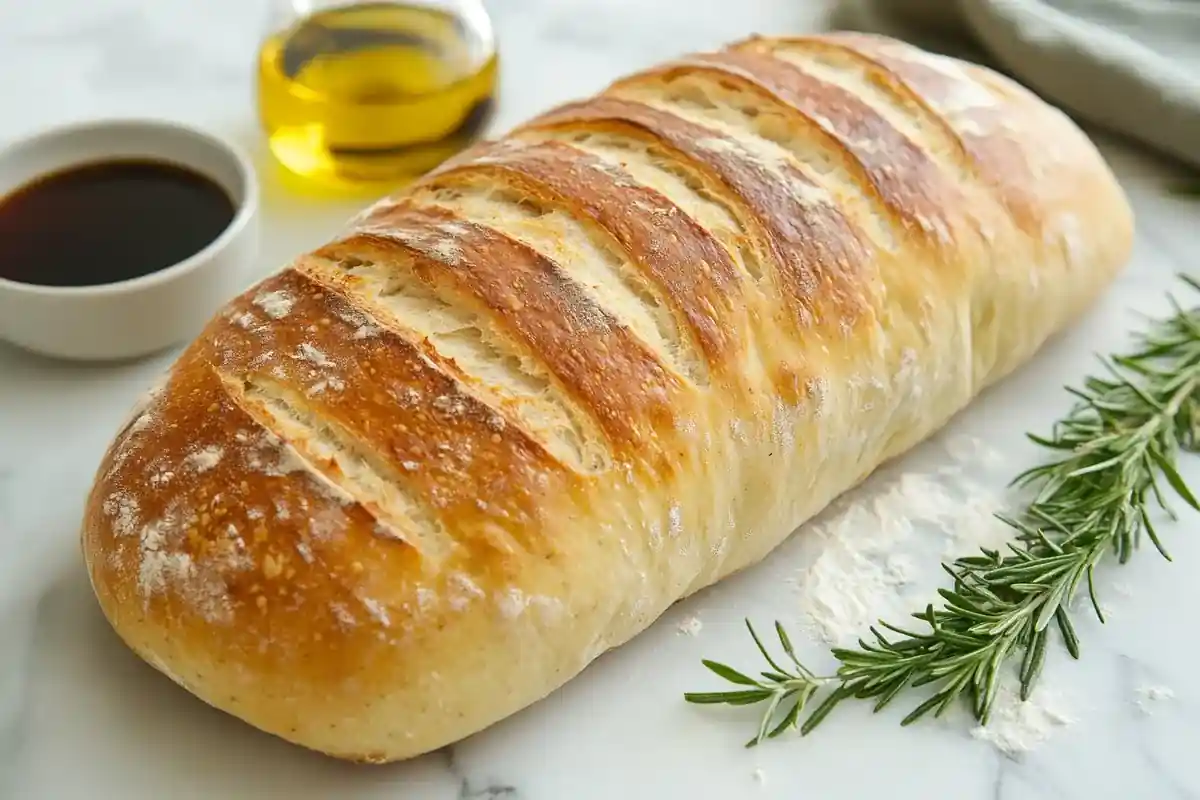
{"points": [[1114, 460]]}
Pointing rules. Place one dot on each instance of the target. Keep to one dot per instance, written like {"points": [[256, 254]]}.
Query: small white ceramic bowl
{"points": [[150, 313]]}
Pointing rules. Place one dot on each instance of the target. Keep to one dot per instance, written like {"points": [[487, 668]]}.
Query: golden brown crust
{"points": [[424, 475], [685, 262], [900, 174], [816, 249], [939, 86], [250, 499], [478, 474], [596, 359]]}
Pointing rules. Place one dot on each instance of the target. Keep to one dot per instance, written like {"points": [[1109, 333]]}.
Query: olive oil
{"points": [[376, 92]]}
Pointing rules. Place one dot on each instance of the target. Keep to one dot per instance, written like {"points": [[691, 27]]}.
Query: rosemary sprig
{"points": [[779, 686], [1115, 457]]}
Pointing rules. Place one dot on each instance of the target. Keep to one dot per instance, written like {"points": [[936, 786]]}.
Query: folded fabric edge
{"points": [[1092, 73], [1058, 56]]}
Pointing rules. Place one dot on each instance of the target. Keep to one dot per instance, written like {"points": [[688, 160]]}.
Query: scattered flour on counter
{"points": [[690, 625], [973, 524], [860, 566], [900, 568], [1148, 696], [968, 449], [860, 569], [1018, 726]]}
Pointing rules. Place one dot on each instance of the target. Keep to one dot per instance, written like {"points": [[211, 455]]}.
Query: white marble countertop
{"points": [[81, 718]]}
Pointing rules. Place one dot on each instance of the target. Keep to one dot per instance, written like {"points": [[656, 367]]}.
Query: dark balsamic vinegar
{"points": [[108, 221]]}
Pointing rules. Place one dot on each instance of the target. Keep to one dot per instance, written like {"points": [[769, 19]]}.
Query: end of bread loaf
{"points": [[424, 475]]}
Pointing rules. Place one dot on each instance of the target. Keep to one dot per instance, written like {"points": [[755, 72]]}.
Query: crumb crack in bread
{"points": [[423, 475]]}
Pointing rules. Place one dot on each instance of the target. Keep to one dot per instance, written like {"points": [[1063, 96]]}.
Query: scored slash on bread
{"points": [[425, 474]]}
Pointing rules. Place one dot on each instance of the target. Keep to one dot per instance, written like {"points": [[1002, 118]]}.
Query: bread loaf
{"points": [[422, 476]]}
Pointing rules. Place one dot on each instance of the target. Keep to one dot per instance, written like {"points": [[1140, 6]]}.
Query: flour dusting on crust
{"points": [[513, 603], [276, 305], [159, 566], [311, 354], [270, 455], [124, 510], [204, 458], [165, 567], [463, 591], [376, 611]]}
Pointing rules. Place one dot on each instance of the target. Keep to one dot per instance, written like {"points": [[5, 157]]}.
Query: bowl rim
{"points": [[247, 205]]}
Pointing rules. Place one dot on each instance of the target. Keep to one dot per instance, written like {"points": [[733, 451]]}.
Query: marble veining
{"points": [[80, 717], [476, 789]]}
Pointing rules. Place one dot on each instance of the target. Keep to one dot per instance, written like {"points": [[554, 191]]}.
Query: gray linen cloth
{"points": [[1129, 66]]}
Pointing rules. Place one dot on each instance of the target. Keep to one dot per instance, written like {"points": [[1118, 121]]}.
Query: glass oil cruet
{"points": [[374, 92]]}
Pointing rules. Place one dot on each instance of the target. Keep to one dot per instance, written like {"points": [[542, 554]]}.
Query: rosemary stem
{"points": [[1116, 450]]}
